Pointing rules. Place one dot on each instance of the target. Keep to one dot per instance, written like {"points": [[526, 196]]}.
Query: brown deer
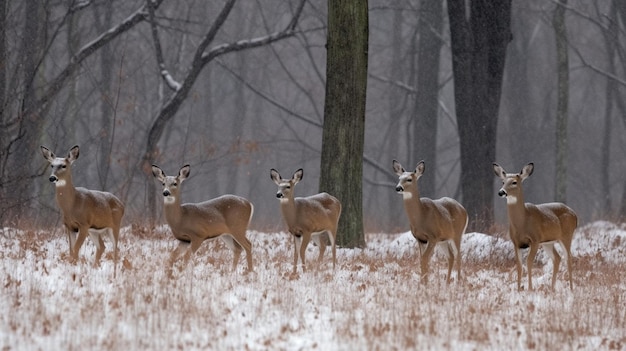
{"points": [[226, 217], [307, 217], [533, 225], [432, 221], [85, 212]]}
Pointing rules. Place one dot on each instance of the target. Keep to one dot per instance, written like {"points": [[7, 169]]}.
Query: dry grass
{"points": [[374, 300]]}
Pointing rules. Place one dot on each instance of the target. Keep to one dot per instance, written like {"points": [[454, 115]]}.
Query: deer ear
{"points": [[47, 154], [499, 171], [158, 173], [397, 168], [527, 171], [419, 169], [275, 176], [297, 176], [73, 154], [183, 173]]}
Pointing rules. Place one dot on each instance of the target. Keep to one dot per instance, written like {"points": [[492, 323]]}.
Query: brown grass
{"points": [[374, 300]]}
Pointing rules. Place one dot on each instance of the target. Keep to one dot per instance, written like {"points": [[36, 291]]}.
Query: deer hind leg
{"points": [[95, 235], [556, 260], [320, 241], [244, 243], [234, 245], [451, 253], [332, 236], [568, 253]]}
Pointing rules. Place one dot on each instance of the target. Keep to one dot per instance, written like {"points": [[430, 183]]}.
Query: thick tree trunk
{"points": [[424, 141], [558, 22], [344, 114], [480, 33]]}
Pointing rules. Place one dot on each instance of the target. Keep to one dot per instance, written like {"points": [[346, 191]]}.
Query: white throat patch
{"points": [[511, 200], [60, 183], [168, 200], [407, 195]]}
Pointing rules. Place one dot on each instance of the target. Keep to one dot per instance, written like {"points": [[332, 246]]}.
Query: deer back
{"points": [[553, 221], [225, 214], [95, 209], [314, 213], [442, 218]]}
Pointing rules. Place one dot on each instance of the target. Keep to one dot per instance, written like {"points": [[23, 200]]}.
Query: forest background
{"points": [[102, 74]]}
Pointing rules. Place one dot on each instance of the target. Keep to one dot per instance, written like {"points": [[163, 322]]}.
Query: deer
{"points": [[226, 217], [85, 212], [532, 225], [433, 222], [307, 217]]}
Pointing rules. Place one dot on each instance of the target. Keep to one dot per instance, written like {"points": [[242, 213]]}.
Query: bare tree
{"points": [[562, 59], [344, 114], [180, 90], [480, 32]]}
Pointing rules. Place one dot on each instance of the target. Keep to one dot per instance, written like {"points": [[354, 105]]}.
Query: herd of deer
{"points": [[443, 221]]}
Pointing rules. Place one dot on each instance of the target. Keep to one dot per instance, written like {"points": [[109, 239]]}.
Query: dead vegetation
{"points": [[373, 300]]}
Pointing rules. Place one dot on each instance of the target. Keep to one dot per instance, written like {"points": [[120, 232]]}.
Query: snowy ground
{"points": [[374, 300]]}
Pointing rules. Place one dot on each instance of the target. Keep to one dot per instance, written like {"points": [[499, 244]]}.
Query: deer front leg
{"points": [[82, 235], [430, 247], [71, 239], [529, 263], [297, 242], [306, 238], [182, 246], [451, 256], [518, 267]]}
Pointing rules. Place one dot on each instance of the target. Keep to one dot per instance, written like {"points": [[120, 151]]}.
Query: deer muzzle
{"points": [[399, 188], [53, 178], [166, 192], [502, 193], [279, 195]]}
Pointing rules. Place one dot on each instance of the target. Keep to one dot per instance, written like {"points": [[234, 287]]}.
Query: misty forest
{"points": [[235, 88]]}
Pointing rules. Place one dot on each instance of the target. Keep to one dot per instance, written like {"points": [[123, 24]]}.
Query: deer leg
{"points": [[115, 234], [430, 247], [529, 263], [182, 246], [451, 255], [96, 237], [234, 246], [297, 243], [305, 242], [332, 236], [457, 250], [556, 260], [71, 238], [568, 255], [518, 266], [82, 234], [244, 243], [320, 240]]}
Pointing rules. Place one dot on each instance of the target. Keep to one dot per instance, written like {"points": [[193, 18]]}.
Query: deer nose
{"points": [[280, 195], [502, 193], [166, 192], [53, 178], [399, 188]]}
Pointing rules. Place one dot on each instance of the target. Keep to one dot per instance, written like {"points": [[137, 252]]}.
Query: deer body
{"points": [[432, 221], [226, 217], [533, 225], [307, 217], [85, 212]]}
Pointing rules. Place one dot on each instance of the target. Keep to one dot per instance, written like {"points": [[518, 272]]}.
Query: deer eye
{"points": [[514, 182], [409, 180], [63, 166]]}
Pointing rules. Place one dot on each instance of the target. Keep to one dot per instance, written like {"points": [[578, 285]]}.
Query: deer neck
{"points": [[516, 209], [412, 204], [288, 208], [65, 193], [172, 208]]}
